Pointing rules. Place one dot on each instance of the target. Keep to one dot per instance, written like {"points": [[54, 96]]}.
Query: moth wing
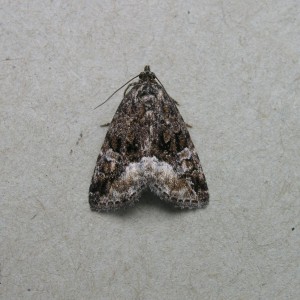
{"points": [[180, 179], [116, 181]]}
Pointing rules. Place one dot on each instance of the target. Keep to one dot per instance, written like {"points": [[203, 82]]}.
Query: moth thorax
{"points": [[148, 101]]}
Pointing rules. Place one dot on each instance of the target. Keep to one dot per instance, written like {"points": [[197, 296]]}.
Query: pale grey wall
{"points": [[234, 68]]}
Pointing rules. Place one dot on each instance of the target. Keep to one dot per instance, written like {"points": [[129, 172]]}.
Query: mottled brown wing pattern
{"points": [[186, 187], [147, 144], [108, 189]]}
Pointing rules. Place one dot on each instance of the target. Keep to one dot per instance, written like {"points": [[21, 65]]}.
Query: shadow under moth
{"points": [[147, 145]]}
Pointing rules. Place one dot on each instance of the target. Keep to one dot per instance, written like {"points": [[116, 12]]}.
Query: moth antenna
{"points": [[116, 91], [166, 91], [162, 86]]}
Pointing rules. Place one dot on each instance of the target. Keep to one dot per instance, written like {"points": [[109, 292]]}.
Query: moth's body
{"points": [[147, 145]]}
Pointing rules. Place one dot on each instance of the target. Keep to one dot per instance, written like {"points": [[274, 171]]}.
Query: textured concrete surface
{"points": [[234, 68]]}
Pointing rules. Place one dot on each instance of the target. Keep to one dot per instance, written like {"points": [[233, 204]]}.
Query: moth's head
{"points": [[147, 75]]}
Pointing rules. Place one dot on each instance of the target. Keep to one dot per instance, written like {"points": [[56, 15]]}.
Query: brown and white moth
{"points": [[147, 145]]}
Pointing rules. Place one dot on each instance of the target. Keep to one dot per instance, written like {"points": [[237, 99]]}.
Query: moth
{"points": [[147, 145]]}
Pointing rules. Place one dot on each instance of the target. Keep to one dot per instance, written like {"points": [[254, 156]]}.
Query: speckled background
{"points": [[234, 68]]}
